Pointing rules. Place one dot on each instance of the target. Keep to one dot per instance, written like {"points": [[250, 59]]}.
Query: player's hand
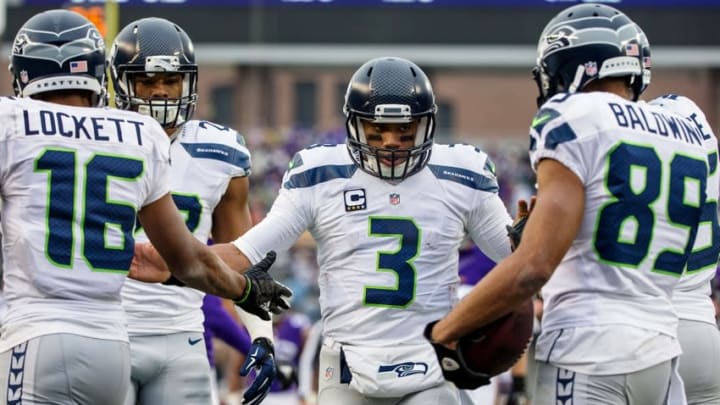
{"points": [[262, 293], [147, 265], [261, 357], [518, 226], [286, 374], [453, 366]]}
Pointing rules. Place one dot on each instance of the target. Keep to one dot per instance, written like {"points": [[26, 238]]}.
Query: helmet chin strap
{"points": [[579, 73], [174, 134]]}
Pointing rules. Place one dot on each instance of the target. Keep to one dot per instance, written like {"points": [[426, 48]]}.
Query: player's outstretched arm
{"points": [[231, 218], [187, 258], [149, 266], [263, 294], [558, 210], [198, 267]]}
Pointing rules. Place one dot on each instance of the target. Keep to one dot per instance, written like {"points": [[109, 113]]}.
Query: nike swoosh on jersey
{"points": [[193, 342], [539, 120]]}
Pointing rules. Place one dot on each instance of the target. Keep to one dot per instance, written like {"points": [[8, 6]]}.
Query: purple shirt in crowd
{"points": [[220, 324], [473, 265]]}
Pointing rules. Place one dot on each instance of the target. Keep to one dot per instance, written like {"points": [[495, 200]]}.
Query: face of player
{"points": [[160, 93], [391, 137], [158, 86]]}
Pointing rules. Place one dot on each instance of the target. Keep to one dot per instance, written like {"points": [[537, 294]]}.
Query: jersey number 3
{"points": [[399, 262]]}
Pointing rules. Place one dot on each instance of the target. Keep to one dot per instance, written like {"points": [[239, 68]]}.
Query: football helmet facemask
{"points": [[390, 90], [59, 50], [646, 59], [584, 43], [152, 46]]}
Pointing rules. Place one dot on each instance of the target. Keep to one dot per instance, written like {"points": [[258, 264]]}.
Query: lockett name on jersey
{"points": [[103, 129]]}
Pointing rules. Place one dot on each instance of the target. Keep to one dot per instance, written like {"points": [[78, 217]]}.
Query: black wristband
{"points": [[518, 384], [173, 281]]}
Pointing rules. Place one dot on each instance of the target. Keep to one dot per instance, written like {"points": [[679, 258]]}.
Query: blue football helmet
{"points": [[390, 90], [588, 42], [58, 50], [149, 46]]}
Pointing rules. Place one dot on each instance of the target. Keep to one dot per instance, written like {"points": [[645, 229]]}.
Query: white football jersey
{"points": [[646, 177], [72, 181], [388, 252], [204, 157], [691, 296]]}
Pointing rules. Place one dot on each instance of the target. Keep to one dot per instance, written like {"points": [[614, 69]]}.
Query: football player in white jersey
{"points": [[697, 330], [699, 336], [626, 189], [389, 210], [152, 65], [73, 181]]}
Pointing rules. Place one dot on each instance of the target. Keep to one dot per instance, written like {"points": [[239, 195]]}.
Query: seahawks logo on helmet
{"points": [[94, 35], [20, 41], [561, 38]]}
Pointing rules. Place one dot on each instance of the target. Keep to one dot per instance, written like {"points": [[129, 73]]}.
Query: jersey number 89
{"points": [[686, 179]]}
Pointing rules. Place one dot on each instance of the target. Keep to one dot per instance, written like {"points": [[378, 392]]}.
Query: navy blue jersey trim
{"points": [[560, 134], [712, 158], [465, 177], [543, 117], [16, 374], [317, 175], [219, 152]]}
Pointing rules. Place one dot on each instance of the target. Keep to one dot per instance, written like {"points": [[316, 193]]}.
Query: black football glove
{"points": [[262, 293], [286, 374], [453, 366], [515, 230], [261, 357]]}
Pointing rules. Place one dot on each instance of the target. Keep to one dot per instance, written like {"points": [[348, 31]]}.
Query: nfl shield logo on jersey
{"points": [[394, 198]]}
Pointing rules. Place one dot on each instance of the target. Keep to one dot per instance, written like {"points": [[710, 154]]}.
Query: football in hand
{"points": [[495, 347]]}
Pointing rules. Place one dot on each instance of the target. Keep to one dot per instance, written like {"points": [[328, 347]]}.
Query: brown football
{"points": [[495, 347]]}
